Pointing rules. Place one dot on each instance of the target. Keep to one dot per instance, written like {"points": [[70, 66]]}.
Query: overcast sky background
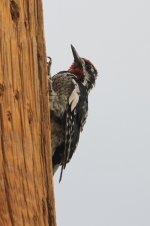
{"points": [[107, 182]]}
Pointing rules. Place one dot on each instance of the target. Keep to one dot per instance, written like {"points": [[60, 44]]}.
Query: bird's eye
{"points": [[88, 67]]}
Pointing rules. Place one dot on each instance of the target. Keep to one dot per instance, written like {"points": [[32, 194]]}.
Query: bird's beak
{"points": [[76, 56]]}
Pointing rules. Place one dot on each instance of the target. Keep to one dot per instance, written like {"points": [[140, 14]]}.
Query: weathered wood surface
{"points": [[26, 181]]}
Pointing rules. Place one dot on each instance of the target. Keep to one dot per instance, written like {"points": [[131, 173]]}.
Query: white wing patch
{"points": [[74, 97]]}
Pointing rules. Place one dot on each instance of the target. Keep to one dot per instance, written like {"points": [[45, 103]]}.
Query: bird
{"points": [[68, 95]]}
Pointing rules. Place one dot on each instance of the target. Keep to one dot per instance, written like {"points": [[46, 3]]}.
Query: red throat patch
{"points": [[77, 71]]}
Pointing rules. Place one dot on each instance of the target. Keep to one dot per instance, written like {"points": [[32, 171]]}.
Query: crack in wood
{"points": [[16, 94], [2, 89], [14, 10], [9, 116]]}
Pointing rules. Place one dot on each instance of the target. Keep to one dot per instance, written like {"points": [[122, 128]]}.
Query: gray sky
{"points": [[107, 182]]}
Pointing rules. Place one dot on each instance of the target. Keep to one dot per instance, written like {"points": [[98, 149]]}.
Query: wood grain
{"points": [[26, 180]]}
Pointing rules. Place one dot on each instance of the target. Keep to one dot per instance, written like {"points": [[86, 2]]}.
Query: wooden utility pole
{"points": [[26, 180]]}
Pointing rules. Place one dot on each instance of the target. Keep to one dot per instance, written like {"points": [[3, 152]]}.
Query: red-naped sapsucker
{"points": [[69, 107]]}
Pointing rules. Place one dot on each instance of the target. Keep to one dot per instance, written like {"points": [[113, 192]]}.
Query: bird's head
{"points": [[83, 69]]}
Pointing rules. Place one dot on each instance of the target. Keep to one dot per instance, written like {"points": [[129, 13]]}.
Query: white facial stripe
{"points": [[92, 69]]}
